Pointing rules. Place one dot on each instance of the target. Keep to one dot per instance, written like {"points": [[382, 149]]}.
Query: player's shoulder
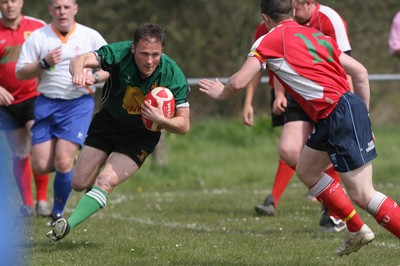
{"points": [[328, 14], [86, 29], [40, 33], [34, 20], [121, 46], [31, 23], [169, 66], [260, 30], [168, 61], [118, 51]]}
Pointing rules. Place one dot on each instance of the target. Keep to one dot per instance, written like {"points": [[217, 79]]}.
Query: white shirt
{"points": [[56, 83]]}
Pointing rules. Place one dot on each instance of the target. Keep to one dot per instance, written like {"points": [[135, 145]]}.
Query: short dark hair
{"points": [[149, 31], [51, 2], [277, 10]]}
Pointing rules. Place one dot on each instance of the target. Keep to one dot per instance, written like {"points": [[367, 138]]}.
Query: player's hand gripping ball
{"points": [[164, 97]]}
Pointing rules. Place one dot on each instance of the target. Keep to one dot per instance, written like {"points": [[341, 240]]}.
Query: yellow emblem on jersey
{"points": [[133, 99], [143, 155], [27, 34]]}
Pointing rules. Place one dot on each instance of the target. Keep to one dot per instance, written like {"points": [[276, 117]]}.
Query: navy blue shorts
{"points": [[15, 116], [109, 135], [346, 134], [63, 119]]}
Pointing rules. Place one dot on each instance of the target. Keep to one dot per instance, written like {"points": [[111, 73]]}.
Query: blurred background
{"points": [[211, 38]]}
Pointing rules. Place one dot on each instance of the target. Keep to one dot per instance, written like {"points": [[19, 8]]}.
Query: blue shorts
{"points": [[345, 134], [64, 119], [17, 115]]}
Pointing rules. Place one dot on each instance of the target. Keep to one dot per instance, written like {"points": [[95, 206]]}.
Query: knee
{"points": [[79, 186], [40, 169], [80, 183], [63, 164], [309, 178], [105, 182], [289, 155]]}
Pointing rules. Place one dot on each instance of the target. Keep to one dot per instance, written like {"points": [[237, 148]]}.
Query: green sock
{"points": [[89, 204]]}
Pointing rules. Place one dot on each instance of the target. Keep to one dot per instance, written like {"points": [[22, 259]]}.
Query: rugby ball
{"points": [[166, 99]]}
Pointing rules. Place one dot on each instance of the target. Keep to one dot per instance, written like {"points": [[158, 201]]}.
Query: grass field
{"points": [[198, 210]]}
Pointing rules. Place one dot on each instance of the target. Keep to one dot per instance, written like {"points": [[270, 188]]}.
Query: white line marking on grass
{"points": [[192, 226], [120, 198]]}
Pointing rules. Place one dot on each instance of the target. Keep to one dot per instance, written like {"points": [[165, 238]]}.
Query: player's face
{"points": [[63, 14], [11, 9], [147, 54], [302, 11]]}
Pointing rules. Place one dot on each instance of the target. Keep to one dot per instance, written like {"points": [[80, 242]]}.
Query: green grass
{"points": [[198, 209]]}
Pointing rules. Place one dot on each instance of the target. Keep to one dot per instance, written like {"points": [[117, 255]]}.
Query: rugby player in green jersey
{"points": [[118, 143]]}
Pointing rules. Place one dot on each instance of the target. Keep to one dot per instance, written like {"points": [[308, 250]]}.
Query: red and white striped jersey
{"points": [[330, 23], [307, 64]]}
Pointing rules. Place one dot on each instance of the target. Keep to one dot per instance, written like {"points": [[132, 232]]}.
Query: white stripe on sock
{"points": [[321, 185], [97, 196], [375, 203]]}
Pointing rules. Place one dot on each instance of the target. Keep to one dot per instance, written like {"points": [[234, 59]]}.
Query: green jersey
{"points": [[124, 91]]}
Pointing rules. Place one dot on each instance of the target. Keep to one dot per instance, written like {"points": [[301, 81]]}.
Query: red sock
{"points": [[386, 213], [41, 182], [332, 173], [282, 178], [330, 193], [23, 177]]}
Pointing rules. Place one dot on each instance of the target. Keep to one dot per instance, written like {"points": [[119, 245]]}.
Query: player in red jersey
{"points": [[297, 126], [16, 104], [313, 70]]}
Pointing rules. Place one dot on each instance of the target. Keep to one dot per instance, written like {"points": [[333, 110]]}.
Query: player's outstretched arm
{"points": [[79, 63], [236, 83]]}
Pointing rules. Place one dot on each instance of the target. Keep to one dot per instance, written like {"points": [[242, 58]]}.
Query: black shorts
{"points": [[15, 116], [293, 112], [109, 135], [277, 120]]}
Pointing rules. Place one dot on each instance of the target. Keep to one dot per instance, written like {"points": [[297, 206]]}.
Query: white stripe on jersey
{"points": [[35, 19], [340, 30], [308, 89]]}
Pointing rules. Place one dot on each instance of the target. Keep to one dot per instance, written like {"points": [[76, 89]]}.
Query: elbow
{"points": [[184, 129], [364, 73], [237, 85], [18, 75], [360, 74], [21, 74]]}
